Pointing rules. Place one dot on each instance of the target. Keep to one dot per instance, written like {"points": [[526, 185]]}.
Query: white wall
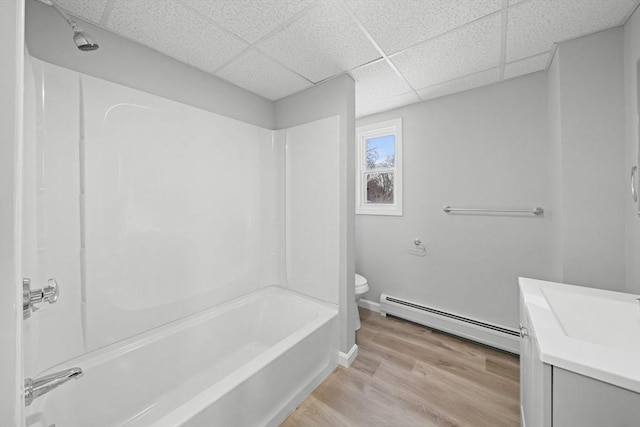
{"points": [[594, 182], [554, 139], [482, 148], [632, 147], [334, 97], [122, 61], [11, 129], [555, 164]]}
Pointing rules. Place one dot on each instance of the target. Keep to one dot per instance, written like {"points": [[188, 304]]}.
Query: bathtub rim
{"points": [[120, 348]]}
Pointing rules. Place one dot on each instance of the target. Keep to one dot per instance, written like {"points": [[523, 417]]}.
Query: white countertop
{"points": [[589, 331]]}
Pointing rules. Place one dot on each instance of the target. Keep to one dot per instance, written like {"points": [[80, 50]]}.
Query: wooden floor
{"points": [[409, 375]]}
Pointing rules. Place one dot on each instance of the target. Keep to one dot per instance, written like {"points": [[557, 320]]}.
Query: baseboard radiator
{"points": [[482, 332]]}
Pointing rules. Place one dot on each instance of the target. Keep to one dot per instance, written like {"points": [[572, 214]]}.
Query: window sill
{"points": [[391, 211]]}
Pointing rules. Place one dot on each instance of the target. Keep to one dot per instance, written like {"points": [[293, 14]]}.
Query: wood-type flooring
{"points": [[409, 375]]}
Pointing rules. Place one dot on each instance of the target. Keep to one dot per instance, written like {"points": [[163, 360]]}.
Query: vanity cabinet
{"points": [[551, 396], [583, 402], [535, 377]]}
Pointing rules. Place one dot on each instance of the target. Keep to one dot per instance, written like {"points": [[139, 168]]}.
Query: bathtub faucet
{"points": [[39, 386]]}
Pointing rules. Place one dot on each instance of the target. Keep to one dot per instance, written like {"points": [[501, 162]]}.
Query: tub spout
{"points": [[39, 386]]}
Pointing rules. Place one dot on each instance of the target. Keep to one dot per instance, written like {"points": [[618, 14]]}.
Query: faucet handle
{"points": [[50, 292], [30, 298]]}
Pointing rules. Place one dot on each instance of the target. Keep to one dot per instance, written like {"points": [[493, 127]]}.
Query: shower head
{"points": [[83, 40]]}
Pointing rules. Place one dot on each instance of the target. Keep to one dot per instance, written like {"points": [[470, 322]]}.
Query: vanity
{"points": [[579, 356]]}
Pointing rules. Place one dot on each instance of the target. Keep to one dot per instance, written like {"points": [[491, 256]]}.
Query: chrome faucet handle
{"points": [[30, 298], [50, 292]]}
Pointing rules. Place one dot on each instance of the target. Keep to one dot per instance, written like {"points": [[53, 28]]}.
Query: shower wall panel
{"points": [[51, 223], [145, 210], [173, 209], [313, 208]]}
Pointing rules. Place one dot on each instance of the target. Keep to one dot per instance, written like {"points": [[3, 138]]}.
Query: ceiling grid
{"points": [[398, 51], [386, 60]]}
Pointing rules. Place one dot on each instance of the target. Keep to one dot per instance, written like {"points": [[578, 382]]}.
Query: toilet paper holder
{"points": [[417, 249]]}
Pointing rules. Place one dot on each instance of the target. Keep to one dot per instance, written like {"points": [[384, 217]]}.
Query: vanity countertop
{"points": [[593, 332]]}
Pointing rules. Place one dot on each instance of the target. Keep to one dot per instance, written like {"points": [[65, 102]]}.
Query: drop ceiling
{"points": [[398, 51]]}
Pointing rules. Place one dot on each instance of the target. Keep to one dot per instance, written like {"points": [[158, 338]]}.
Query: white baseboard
{"points": [[369, 305], [346, 359]]}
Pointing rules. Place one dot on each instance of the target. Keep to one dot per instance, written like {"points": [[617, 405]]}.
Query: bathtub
{"points": [[248, 362]]}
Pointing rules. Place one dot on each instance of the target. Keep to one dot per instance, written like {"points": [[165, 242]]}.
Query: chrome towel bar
{"points": [[535, 211]]}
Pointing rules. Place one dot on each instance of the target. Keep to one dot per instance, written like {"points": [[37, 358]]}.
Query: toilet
{"points": [[361, 288]]}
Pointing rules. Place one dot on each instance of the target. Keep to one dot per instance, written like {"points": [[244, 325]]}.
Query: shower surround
{"points": [[153, 215]]}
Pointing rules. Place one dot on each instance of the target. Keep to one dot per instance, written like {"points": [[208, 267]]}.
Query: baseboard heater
{"points": [[486, 333]]}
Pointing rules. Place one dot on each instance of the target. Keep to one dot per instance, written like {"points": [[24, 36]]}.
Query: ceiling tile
{"points": [[377, 81], [470, 49], [387, 104], [88, 10], [397, 25], [260, 74], [526, 66], [174, 30], [324, 42], [534, 26], [249, 19], [458, 85]]}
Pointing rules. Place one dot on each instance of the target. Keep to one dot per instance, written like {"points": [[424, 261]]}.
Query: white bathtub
{"points": [[248, 362]]}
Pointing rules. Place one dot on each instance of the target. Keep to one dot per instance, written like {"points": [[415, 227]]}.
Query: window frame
{"points": [[389, 127]]}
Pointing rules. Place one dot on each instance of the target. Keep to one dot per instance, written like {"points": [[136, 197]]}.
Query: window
{"points": [[379, 169]]}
